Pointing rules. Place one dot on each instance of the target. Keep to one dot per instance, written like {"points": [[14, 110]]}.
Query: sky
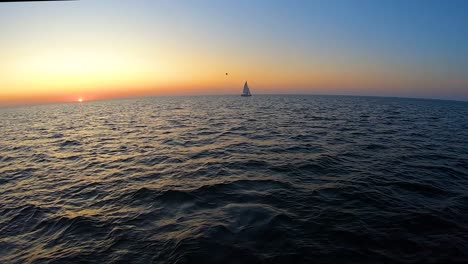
{"points": [[89, 49]]}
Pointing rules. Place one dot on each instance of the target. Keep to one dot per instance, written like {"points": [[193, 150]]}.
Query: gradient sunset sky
{"points": [[100, 49]]}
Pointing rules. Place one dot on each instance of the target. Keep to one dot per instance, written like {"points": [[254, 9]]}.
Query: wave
{"points": [[280, 179]]}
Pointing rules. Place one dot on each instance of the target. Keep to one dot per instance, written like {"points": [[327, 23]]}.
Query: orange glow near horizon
{"points": [[104, 70], [47, 74], [172, 53], [44, 75]]}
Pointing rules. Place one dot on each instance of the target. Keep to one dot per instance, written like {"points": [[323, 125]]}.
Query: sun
{"points": [[80, 100]]}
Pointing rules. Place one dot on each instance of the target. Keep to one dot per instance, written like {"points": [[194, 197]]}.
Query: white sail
{"points": [[246, 91]]}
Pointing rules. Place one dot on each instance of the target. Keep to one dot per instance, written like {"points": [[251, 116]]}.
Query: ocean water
{"points": [[225, 179]]}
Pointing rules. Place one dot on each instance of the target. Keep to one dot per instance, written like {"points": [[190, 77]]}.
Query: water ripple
{"points": [[266, 179]]}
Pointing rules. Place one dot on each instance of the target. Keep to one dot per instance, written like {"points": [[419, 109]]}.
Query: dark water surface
{"points": [[266, 179]]}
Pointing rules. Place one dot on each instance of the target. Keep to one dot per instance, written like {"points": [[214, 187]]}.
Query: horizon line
{"points": [[5, 106]]}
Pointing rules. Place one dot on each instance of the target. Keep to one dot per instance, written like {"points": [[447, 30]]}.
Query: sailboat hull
{"points": [[246, 95]]}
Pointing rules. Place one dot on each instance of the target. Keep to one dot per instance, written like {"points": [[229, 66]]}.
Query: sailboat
{"points": [[246, 91]]}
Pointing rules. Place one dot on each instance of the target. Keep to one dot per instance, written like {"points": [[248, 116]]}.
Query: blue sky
{"points": [[396, 48]]}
